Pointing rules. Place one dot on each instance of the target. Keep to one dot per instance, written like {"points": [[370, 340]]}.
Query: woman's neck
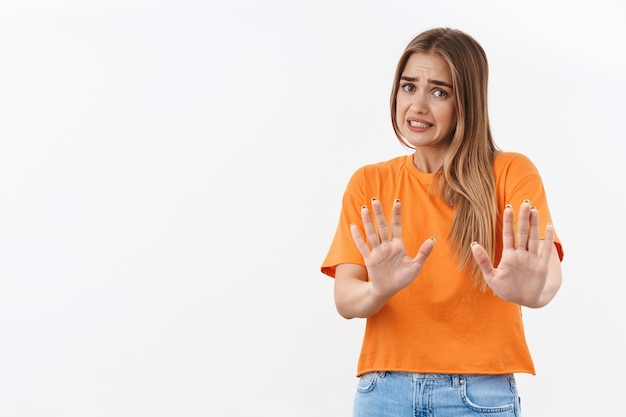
{"points": [[429, 162]]}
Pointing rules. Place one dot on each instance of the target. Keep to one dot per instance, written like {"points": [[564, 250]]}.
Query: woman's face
{"points": [[425, 110]]}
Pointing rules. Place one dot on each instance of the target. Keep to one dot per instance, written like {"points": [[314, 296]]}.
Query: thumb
{"points": [[425, 250], [482, 259]]}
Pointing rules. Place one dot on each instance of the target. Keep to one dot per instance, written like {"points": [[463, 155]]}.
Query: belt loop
{"points": [[455, 381]]}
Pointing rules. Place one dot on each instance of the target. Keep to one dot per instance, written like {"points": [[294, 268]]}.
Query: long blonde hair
{"points": [[466, 182]]}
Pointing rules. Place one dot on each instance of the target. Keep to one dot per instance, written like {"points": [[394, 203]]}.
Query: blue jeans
{"points": [[401, 394]]}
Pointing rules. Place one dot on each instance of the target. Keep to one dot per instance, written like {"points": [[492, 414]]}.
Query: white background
{"points": [[171, 175]]}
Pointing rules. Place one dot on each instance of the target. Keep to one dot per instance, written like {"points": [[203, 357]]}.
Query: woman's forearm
{"points": [[353, 293]]}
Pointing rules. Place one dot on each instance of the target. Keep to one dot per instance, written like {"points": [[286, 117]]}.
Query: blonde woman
{"points": [[440, 249]]}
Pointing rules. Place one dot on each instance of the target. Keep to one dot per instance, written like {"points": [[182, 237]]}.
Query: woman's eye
{"points": [[409, 88], [440, 94]]}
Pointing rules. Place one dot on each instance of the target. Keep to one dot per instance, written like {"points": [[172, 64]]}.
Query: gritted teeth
{"points": [[419, 124]]}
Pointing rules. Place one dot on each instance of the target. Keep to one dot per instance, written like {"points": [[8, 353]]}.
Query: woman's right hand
{"points": [[389, 267]]}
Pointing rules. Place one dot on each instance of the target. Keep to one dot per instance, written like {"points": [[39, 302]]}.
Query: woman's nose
{"points": [[419, 103]]}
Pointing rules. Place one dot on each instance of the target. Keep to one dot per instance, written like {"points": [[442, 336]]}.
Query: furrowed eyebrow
{"points": [[442, 83], [435, 82]]}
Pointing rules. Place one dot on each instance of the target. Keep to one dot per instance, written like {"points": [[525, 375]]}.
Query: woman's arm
{"points": [[354, 296], [362, 291]]}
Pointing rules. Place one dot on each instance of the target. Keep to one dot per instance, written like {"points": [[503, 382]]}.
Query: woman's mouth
{"points": [[415, 123]]}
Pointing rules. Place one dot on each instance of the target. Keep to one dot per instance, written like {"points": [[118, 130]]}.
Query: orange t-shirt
{"points": [[440, 323]]}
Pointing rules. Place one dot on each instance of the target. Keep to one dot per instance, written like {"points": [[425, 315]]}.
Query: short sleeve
{"points": [[517, 179], [342, 248]]}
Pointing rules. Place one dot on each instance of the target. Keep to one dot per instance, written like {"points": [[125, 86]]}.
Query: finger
{"points": [[381, 222], [533, 239], [482, 259], [370, 231], [522, 225], [548, 243], [424, 251], [358, 240], [396, 220], [508, 235]]}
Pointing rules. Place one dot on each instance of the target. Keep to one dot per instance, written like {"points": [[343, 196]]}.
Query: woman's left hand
{"points": [[524, 273]]}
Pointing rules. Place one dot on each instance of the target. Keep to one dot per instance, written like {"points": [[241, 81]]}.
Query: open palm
{"points": [[389, 267], [522, 273]]}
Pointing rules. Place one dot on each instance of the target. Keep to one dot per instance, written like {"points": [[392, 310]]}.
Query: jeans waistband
{"points": [[455, 379]]}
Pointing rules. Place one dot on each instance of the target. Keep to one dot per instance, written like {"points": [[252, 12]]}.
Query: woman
{"points": [[444, 333]]}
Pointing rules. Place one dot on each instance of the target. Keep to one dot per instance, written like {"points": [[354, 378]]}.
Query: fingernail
{"points": [[474, 243], [363, 207], [433, 238], [508, 206], [374, 199], [527, 201], [533, 208], [396, 201]]}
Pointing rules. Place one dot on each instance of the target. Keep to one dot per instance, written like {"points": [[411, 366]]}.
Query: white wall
{"points": [[170, 180]]}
